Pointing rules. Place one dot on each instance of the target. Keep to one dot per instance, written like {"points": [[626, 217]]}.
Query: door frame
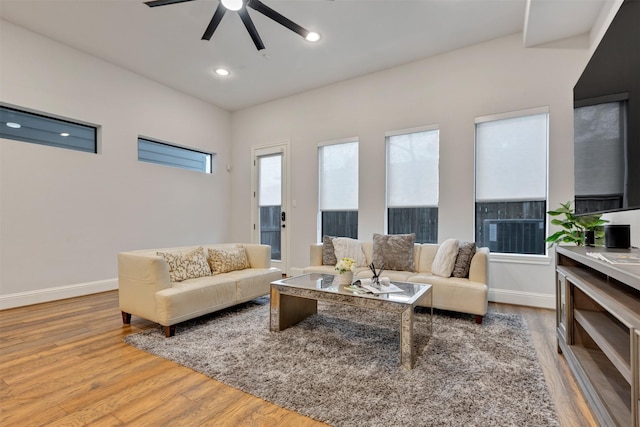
{"points": [[283, 148]]}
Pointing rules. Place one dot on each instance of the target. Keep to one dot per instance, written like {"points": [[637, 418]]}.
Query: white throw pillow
{"points": [[345, 247], [445, 258]]}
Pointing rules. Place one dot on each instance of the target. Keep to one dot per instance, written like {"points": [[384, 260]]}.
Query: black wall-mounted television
{"points": [[607, 120]]}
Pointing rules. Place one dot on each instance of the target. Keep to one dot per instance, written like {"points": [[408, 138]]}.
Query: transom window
{"points": [[40, 129], [162, 153]]}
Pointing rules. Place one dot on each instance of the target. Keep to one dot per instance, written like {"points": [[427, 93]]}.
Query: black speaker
{"points": [[617, 236]]}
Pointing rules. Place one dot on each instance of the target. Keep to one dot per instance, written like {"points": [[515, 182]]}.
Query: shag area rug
{"points": [[341, 366]]}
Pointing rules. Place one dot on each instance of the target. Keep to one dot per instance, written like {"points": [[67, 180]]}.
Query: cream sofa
{"points": [[465, 295], [146, 290]]}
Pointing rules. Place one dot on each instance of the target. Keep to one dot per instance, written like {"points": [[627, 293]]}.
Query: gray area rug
{"points": [[341, 366]]}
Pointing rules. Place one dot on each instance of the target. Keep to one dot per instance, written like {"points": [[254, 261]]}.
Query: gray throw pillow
{"points": [[328, 252], [466, 251], [394, 251]]}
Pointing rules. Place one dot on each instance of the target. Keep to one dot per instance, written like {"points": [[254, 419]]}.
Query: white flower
{"points": [[346, 264]]}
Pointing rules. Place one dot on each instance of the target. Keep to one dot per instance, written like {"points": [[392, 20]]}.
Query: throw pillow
{"points": [[394, 251], [445, 258], [466, 250], [328, 253], [190, 266], [224, 260], [345, 247]]}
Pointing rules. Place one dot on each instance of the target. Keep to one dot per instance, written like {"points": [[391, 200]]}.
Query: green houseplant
{"points": [[575, 229]]}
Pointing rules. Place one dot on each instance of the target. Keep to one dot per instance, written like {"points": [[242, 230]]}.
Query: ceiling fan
{"points": [[241, 7]]}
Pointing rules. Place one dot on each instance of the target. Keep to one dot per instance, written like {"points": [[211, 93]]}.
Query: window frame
{"points": [[319, 220], [543, 258], [408, 131]]}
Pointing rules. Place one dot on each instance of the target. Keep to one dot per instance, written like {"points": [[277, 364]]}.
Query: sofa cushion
{"points": [[345, 247], [223, 260], [466, 250], [189, 266], [445, 258], [394, 251], [328, 252]]}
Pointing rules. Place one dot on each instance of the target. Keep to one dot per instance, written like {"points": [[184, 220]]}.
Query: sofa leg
{"points": [[478, 319], [169, 331], [126, 318]]}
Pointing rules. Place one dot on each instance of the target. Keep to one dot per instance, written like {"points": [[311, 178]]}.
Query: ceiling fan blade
{"points": [[155, 3], [282, 20], [215, 20], [248, 23]]}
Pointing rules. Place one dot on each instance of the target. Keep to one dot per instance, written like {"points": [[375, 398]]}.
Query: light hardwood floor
{"points": [[64, 363]]}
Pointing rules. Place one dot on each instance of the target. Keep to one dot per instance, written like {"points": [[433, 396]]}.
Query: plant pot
{"points": [[346, 278], [590, 238]]}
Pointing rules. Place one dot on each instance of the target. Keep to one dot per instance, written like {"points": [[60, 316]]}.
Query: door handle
{"points": [[283, 216]]}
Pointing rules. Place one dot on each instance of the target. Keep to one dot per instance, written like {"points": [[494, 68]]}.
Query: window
{"points": [[338, 192], [170, 155], [412, 183], [599, 156], [511, 181], [38, 129]]}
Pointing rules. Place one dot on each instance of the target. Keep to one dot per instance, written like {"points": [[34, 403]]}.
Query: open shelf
{"points": [[599, 332]]}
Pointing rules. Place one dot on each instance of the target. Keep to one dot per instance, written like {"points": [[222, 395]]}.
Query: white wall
{"points": [[449, 90], [64, 215]]}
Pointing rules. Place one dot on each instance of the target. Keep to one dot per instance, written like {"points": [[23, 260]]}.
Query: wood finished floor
{"points": [[64, 363]]}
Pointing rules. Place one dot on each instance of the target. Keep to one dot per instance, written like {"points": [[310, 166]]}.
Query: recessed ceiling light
{"points": [[64, 134], [313, 37], [14, 125], [222, 72]]}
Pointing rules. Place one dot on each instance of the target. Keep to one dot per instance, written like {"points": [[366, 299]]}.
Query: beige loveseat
{"points": [[465, 295], [146, 289]]}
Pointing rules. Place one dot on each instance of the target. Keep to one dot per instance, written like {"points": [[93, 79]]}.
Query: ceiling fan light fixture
{"points": [[312, 36], [232, 4]]}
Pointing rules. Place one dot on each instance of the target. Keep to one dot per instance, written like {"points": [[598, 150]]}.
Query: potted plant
{"points": [[578, 229]]}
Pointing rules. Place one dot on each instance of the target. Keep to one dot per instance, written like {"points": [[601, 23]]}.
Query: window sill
{"points": [[520, 258]]}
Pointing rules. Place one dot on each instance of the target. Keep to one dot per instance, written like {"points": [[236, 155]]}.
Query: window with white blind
{"points": [[338, 188], [511, 181], [412, 183]]}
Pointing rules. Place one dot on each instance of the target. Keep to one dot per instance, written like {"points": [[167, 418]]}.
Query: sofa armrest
{"points": [[315, 254], [259, 255], [479, 270], [139, 278]]}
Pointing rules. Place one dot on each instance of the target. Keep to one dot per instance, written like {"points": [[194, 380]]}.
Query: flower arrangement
{"points": [[346, 264]]}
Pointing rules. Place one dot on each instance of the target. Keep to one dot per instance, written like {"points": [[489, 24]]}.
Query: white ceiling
{"points": [[358, 37]]}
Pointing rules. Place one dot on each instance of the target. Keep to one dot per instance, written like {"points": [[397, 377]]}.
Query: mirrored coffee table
{"points": [[296, 298]]}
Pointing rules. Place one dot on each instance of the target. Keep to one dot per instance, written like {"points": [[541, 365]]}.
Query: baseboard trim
{"points": [[22, 299], [532, 299]]}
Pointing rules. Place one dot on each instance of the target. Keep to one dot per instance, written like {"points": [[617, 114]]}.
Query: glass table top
{"points": [[330, 283]]}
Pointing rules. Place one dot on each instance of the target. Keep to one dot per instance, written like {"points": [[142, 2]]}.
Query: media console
{"points": [[598, 329]]}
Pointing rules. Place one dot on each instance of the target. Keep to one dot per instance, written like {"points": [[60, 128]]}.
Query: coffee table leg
{"points": [[287, 310], [407, 349]]}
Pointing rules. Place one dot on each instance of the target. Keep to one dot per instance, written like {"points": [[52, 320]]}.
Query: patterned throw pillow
{"points": [[349, 248], [466, 251], [190, 266], [445, 258], [224, 260], [328, 253], [395, 251]]}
